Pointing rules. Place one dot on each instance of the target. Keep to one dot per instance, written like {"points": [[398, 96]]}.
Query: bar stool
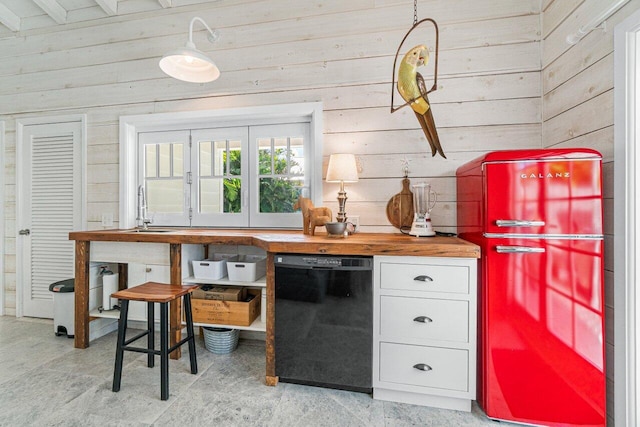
{"points": [[151, 293]]}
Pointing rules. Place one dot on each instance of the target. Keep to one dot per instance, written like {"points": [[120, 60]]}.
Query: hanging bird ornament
{"points": [[411, 84], [413, 90]]}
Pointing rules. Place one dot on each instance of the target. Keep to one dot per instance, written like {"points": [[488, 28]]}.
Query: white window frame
{"points": [[160, 138], [219, 219], [130, 126], [258, 219]]}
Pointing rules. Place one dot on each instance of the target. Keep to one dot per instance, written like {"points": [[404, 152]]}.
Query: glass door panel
{"points": [[278, 171], [163, 176], [220, 187]]}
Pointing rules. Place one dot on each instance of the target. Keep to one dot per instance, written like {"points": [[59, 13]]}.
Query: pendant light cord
{"points": [[415, 12]]}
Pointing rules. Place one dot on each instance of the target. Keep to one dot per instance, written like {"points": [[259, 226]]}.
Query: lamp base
{"points": [[342, 200]]}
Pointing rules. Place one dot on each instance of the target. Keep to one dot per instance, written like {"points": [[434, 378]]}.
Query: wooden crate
{"points": [[238, 313]]}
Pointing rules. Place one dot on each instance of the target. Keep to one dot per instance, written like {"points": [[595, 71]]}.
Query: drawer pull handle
{"points": [[423, 319], [422, 367], [423, 278]]}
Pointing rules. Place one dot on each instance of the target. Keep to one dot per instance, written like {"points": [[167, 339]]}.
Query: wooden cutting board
{"points": [[400, 207]]}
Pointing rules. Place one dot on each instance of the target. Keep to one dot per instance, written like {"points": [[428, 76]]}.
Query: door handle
{"points": [[423, 319], [423, 278], [422, 367], [518, 223], [24, 232], [518, 250]]}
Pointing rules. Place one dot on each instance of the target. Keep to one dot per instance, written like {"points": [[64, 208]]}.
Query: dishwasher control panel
{"points": [[319, 261]]}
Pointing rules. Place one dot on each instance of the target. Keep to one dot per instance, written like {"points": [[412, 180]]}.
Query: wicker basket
{"points": [[220, 340]]}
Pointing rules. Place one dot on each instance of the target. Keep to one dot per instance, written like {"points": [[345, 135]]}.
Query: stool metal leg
{"points": [[192, 341], [122, 330], [151, 336], [164, 351]]}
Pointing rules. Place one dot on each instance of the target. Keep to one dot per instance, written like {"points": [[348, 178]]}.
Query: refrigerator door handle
{"points": [[518, 250], [518, 223]]}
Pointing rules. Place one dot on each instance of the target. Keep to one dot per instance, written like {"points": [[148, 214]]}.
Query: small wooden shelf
{"points": [[257, 325], [113, 314], [260, 283]]}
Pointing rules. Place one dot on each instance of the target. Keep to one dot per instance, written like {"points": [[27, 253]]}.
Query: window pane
{"points": [[234, 158], [220, 195], [204, 155], [264, 156], [164, 196], [220, 158], [211, 193], [278, 195], [296, 165], [165, 160], [280, 161], [178, 159], [150, 160]]}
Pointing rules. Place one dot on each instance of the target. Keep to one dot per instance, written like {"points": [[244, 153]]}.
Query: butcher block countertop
{"points": [[293, 241]]}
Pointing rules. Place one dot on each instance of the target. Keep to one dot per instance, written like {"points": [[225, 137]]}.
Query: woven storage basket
{"points": [[220, 340]]}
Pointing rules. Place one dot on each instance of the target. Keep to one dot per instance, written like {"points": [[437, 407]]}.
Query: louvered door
{"points": [[49, 207]]}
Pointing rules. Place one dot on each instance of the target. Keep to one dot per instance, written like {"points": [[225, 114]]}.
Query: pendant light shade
{"points": [[190, 64]]}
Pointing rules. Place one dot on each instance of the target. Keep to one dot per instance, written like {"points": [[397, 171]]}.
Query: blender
{"points": [[424, 199]]}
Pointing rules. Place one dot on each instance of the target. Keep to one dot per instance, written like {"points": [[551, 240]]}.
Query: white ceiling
{"points": [[18, 16]]}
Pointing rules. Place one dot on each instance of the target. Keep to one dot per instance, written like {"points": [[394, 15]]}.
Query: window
{"points": [[224, 174]]}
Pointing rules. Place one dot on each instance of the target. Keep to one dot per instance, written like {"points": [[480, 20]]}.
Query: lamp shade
{"points": [[190, 65], [342, 168]]}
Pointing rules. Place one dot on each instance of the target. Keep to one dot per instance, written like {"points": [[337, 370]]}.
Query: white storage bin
{"points": [[247, 268], [213, 268]]}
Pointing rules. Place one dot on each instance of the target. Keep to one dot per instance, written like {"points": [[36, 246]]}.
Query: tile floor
{"points": [[44, 381]]}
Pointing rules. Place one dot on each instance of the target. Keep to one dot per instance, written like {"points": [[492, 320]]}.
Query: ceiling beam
{"points": [[165, 3], [110, 7], [9, 19], [53, 9]]}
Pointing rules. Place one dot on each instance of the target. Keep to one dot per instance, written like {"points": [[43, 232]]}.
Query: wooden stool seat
{"points": [[154, 293]]}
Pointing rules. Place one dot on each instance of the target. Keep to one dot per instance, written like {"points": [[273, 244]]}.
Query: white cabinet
{"points": [[425, 330]]}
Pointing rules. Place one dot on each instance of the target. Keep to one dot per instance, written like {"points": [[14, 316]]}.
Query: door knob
{"points": [[24, 232]]}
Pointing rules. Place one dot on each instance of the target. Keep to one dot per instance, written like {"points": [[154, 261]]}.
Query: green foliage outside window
{"points": [[277, 194]]}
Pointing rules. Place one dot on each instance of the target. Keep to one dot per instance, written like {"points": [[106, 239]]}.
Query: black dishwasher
{"points": [[324, 320]]}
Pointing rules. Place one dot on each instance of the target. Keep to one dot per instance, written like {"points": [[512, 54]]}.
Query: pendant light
{"points": [[188, 63]]}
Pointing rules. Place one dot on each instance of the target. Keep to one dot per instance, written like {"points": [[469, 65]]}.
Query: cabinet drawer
{"points": [[424, 318], [445, 368], [425, 277]]}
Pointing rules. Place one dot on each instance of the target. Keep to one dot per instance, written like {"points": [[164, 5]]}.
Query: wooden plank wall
{"points": [[577, 88], [335, 51]]}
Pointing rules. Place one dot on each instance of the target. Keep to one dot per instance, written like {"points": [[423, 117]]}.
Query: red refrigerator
{"points": [[537, 216]]}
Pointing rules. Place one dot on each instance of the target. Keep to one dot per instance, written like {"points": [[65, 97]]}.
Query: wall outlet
{"points": [[107, 220]]}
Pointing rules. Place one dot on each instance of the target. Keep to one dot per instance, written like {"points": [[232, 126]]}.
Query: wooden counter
{"points": [[272, 241]]}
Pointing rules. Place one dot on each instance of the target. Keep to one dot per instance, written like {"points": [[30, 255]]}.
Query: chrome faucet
{"points": [[142, 210]]}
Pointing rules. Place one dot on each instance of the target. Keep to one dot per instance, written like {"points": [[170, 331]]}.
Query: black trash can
{"points": [[63, 307]]}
